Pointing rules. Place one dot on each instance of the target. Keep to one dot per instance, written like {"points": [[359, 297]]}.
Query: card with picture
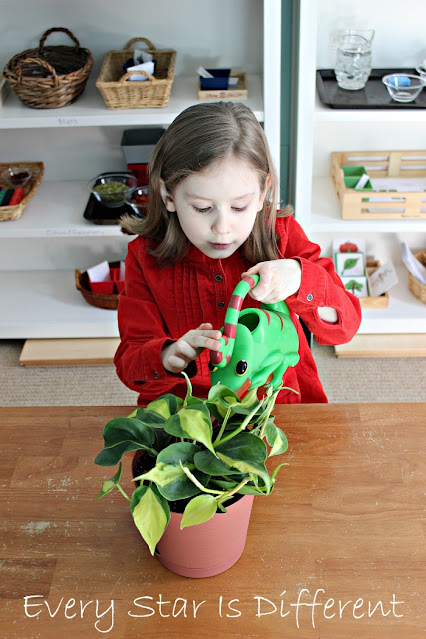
{"points": [[356, 284], [350, 264], [349, 245]]}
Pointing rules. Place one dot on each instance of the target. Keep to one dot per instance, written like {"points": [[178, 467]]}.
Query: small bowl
{"points": [[111, 189], [403, 87], [138, 198], [16, 176], [421, 70]]}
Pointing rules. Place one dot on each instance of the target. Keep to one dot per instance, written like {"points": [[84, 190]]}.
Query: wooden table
{"points": [[342, 530]]}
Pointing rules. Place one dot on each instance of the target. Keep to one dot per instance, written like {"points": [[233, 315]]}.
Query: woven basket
{"points": [[49, 77], [415, 287], [14, 212], [118, 93], [100, 300]]}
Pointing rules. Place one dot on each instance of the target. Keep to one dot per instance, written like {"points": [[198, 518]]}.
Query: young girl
{"points": [[211, 220]]}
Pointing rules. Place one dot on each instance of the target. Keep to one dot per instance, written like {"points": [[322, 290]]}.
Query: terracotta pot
{"points": [[206, 549]]}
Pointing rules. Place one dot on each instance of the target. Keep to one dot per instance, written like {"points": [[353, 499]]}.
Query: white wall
{"points": [[400, 25]]}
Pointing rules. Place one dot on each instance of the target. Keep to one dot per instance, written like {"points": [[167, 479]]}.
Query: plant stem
{"points": [[270, 409], [122, 492], [222, 428], [232, 492], [197, 483], [241, 427]]}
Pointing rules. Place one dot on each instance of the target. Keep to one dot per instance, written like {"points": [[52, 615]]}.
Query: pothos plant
{"points": [[204, 451]]}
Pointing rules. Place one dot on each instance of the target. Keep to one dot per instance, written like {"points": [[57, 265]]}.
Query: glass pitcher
{"points": [[353, 58]]}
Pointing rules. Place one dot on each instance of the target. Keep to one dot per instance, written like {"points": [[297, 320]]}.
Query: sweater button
{"points": [[310, 297], [156, 375], [218, 278], [221, 304]]}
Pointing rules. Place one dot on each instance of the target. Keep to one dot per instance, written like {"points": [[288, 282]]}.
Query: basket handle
{"points": [[77, 280], [49, 31], [41, 63], [130, 73], [133, 40]]}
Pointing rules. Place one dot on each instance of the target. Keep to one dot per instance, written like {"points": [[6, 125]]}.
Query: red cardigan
{"points": [[160, 305]]}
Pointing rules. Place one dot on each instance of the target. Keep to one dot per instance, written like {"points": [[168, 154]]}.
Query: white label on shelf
{"points": [[68, 122]]}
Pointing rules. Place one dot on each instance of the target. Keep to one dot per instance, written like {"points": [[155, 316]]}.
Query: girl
{"points": [[211, 220]]}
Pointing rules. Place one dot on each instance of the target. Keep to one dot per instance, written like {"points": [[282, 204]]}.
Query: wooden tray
{"points": [[240, 91], [358, 205]]}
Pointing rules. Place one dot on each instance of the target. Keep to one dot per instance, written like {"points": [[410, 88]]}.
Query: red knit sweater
{"points": [[160, 305]]}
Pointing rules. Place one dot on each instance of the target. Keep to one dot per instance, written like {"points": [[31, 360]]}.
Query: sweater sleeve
{"points": [[142, 329], [320, 286]]}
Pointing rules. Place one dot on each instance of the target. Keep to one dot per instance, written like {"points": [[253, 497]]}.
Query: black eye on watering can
{"points": [[241, 367]]}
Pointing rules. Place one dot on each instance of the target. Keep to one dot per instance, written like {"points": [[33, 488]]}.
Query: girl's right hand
{"points": [[178, 355]]}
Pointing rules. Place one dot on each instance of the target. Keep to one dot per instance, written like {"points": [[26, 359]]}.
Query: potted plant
{"points": [[199, 463]]}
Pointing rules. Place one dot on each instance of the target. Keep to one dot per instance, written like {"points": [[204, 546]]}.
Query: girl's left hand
{"points": [[278, 280]]}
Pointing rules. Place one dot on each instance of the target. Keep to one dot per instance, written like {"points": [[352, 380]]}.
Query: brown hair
{"points": [[198, 137]]}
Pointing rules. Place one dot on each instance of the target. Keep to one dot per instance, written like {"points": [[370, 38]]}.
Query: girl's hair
{"points": [[200, 136]]}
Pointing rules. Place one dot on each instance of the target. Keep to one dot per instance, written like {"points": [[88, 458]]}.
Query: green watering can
{"points": [[257, 345]]}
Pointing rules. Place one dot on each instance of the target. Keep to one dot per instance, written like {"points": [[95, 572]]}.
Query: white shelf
{"points": [[325, 215], [56, 210], [46, 304], [90, 108], [324, 113]]}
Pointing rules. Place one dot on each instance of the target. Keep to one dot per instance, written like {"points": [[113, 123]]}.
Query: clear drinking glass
{"points": [[353, 58]]}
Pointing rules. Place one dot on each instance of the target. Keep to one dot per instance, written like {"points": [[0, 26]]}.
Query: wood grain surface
{"points": [[342, 530]]}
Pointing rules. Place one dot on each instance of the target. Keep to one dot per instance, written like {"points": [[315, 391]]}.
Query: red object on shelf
{"points": [[119, 285], [141, 171], [105, 288], [115, 273], [17, 197]]}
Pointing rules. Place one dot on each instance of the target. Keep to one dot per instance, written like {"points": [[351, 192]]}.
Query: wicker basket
{"points": [[49, 77], [415, 287], [100, 300], [118, 93], [14, 212]]}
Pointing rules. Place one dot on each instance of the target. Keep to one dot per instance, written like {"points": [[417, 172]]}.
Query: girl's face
{"points": [[217, 206]]}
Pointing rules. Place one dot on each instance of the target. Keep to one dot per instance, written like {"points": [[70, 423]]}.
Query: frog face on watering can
{"points": [[236, 374]]}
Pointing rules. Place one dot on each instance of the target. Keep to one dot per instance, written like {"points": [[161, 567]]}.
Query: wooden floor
{"points": [[342, 529]]}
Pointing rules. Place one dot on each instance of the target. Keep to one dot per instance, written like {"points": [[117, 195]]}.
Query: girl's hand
{"points": [[178, 355], [278, 280]]}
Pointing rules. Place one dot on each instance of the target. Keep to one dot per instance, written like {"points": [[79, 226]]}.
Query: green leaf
{"points": [[275, 471], [280, 443], [247, 453], [121, 435], [150, 418], [200, 509], [192, 422], [151, 514], [168, 474], [350, 263], [165, 406], [207, 463], [188, 388], [110, 484], [271, 433]]}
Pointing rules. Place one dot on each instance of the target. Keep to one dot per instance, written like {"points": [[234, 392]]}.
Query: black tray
{"points": [[373, 96], [97, 213]]}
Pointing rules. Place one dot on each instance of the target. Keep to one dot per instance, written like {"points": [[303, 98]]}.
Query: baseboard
{"points": [[69, 352], [392, 345]]}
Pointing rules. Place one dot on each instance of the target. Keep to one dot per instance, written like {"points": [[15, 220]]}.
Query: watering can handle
{"points": [[221, 357]]}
